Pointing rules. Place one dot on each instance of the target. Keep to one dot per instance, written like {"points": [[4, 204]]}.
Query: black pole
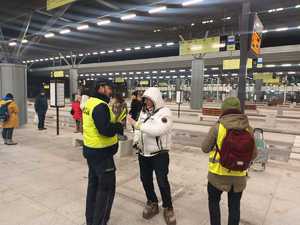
{"points": [[179, 110], [244, 41], [57, 120]]}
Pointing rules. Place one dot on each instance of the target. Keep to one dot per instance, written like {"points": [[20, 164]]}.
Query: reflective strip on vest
{"points": [[91, 136], [214, 165]]}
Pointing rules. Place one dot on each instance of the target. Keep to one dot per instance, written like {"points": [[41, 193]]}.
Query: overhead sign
{"points": [[256, 37], [234, 64], [256, 43], [267, 78], [144, 82], [58, 74], [230, 46], [52, 4], [119, 80], [200, 46]]}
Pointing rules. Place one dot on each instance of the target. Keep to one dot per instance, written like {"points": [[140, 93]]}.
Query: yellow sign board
{"points": [[144, 82], [119, 80], [199, 46], [234, 64], [58, 74], [267, 78], [52, 4], [255, 43]]}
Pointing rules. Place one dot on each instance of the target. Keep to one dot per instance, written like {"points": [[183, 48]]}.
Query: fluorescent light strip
{"points": [[128, 17], [128, 49], [24, 41], [103, 22], [286, 65], [65, 31], [49, 35], [13, 43], [191, 2], [137, 48], [119, 50], [158, 45], [282, 29], [158, 9], [83, 27], [170, 43], [148, 46]]}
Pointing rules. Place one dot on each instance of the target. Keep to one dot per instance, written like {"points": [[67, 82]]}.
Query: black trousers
{"points": [[160, 165], [101, 191], [7, 133], [41, 117], [234, 199]]}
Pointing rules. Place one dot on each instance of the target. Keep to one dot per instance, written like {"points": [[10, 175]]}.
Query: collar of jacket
{"points": [[102, 97]]}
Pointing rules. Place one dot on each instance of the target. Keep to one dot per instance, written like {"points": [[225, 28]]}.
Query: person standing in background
{"points": [[84, 97], [12, 121], [119, 108], [77, 113], [41, 107], [136, 106]]}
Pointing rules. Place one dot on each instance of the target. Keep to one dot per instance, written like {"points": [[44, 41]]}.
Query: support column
{"points": [[197, 84], [258, 90], [13, 79], [244, 27], [73, 82]]}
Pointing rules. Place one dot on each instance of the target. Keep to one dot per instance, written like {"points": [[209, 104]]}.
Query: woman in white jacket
{"points": [[153, 140]]}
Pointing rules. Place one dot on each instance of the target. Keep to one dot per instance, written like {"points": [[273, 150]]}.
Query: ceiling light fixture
{"points": [[119, 50], [65, 31], [297, 6], [158, 45], [102, 52], [157, 10], [24, 41], [191, 2], [128, 17], [83, 27], [103, 22], [127, 49], [170, 43], [49, 35], [13, 43], [137, 48], [148, 46]]}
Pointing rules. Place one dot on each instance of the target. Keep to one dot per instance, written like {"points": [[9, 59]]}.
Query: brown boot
{"points": [[169, 216], [151, 209]]}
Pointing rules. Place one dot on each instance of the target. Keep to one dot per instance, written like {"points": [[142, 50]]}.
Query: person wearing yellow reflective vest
{"points": [[100, 143], [221, 179]]}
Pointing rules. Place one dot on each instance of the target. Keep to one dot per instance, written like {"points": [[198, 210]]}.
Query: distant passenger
{"points": [[77, 113], [231, 148], [9, 118], [153, 140], [100, 130], [41, 107], [119, 108], [136, 105], [84, 97]]}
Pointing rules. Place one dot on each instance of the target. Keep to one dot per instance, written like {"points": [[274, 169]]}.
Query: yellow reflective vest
{"points": [[214, 165], [91, 137]]}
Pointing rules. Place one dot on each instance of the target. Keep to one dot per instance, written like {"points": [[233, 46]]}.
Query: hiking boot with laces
{"points": [[151, 209], [169, 216]]}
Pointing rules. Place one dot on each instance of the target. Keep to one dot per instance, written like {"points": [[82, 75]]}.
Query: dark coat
{"points": [[135, 109], [41, 104]]}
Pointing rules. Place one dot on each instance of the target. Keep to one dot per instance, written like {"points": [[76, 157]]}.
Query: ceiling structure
{"points": [[29, 20]]}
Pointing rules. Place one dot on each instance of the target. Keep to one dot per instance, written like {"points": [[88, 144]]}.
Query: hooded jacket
{"points": [[154, 128], [13, 111], [230, 121]]}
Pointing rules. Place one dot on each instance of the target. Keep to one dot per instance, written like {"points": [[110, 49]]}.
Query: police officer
{"points": [[100, 130]]}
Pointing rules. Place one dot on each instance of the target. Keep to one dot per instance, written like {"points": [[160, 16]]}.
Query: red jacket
{"points": [[77, 113]]}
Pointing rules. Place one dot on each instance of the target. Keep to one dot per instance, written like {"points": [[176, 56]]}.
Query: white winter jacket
{"points": [[154, 130]]}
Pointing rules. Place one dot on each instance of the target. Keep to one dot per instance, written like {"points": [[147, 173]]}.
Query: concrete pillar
{"points": [[258, 90], [73, 82], [13, 79], [197, 84]]}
